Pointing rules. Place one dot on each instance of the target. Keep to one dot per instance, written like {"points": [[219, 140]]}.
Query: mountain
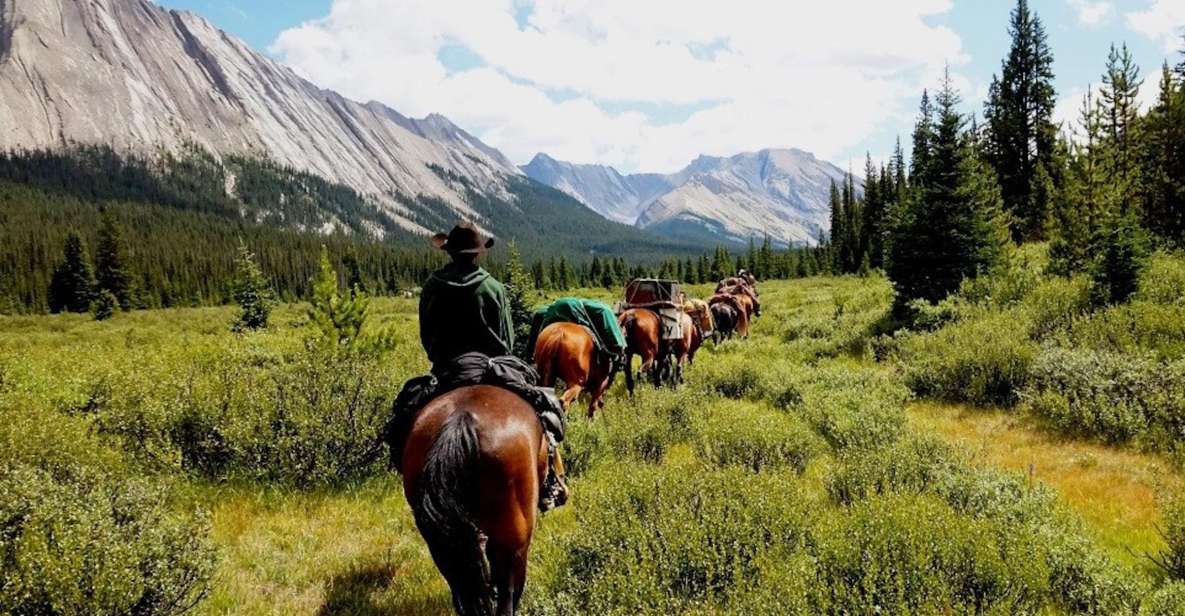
{"points": [[614, 196], [781, 193], [154, 83]]}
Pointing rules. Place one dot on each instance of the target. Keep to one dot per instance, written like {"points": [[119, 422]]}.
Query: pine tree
{"points": [[1163, 187], [1086, 196], [72, 286], [923, 139], [951, 227], [251, 291], [1121, 86], [1021, 136], [873, 213], [339, 318], [518, 288], [111, 268], [104, 306], [838, 232]]}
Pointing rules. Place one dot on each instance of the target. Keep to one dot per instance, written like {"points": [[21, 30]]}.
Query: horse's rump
{"points": [[473, 466]]}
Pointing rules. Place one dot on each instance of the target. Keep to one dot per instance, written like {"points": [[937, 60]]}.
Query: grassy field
{"points": [[795, 473]]}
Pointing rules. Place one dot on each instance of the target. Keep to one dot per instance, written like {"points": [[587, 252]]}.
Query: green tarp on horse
{"points": [[596, 316]]}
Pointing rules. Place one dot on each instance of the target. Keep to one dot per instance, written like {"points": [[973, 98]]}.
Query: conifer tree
{"points": [[951, 227], [1121, 86], [251, 291], [104, 306], [923, 139], [1020, 135], [72, 286], [838, 231], [1163, 186], [111, 263], [1086, 196], [872, 215], [518, 288], [338, 317]]}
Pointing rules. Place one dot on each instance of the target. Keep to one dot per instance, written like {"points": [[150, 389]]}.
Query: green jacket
{"points": [[463, 309]]}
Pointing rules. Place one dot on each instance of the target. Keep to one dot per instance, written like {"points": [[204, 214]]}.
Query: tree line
{"points": [[1102, 192]]}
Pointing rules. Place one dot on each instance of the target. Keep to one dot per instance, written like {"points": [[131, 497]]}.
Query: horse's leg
{"points": [[502, 577], [629, 374], [571, 395]]}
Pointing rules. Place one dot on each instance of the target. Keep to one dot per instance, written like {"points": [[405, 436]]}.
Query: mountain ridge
{"points": [[777, 192]]}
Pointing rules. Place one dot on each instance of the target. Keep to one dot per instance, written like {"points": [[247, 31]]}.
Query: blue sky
{"points": [[643, 89]]}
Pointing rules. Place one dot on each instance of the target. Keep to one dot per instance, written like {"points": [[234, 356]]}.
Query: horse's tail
{"points": [[445, 488]]}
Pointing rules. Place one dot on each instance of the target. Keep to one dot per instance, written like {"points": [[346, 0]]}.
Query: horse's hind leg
{"points": [[571, 395], [508, 570]]}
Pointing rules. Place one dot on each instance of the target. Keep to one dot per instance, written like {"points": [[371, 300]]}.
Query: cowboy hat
{"points": [[463, 239]]}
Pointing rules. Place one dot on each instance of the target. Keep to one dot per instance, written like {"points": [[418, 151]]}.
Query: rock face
{"points": [[612, 195], [133, 75], [781, 193]]}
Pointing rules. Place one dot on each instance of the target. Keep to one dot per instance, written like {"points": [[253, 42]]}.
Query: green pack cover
{"points": [[597, 316]]}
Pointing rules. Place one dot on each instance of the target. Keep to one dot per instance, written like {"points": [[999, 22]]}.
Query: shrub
{"points": [[755, 438], [1172, 560], [313, 419], [1113, 397], [853, 408], [1163, 281], [911, 465], [1054, 305], [655, 540], [983, 361], [1132, 328], [81, 542], [1168, 601], [901, 555]]}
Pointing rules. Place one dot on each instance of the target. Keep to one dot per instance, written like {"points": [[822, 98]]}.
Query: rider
{"points": [[468, 333]]}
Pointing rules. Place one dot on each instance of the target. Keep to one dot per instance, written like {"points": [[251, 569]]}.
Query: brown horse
{"points": [[682, 349], [743, 307], [701, 317], [643, 337], [745, 290], [473, 465], [568, 351], [725, 317]]}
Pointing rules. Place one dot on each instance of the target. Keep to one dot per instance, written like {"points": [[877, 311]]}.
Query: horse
{"points": [[701, 317], [643, 337], [743, 306], [682, 349], [568, 351], [473, 466], [742, 289], [725, 316]]}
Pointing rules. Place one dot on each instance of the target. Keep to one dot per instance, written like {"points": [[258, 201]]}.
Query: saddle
{"points": [[506, 371]]}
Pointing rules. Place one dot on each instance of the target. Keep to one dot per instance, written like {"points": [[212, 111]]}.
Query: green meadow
{"points": [[1018, 453]]}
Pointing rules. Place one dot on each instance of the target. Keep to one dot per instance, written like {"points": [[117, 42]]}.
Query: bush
{"points": [[1163, 280], [755, 438], [1054, 305], [911, 465], [1172, 560], [853, 409], [655, 540], [1133, 328], [901, 555], [1168, 601], [983, 361], [81, 542], [1116, 398], [311, 419]]}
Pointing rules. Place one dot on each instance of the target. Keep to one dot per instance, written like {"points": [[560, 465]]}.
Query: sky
{"points": [[648, 85]]}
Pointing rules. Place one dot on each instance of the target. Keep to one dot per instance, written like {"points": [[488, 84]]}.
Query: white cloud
{"points": [[820, 77], [1092, 14], [1163, 21]]}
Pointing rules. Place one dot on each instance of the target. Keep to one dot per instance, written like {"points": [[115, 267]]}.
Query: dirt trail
{"points": [[1114, 490]]}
